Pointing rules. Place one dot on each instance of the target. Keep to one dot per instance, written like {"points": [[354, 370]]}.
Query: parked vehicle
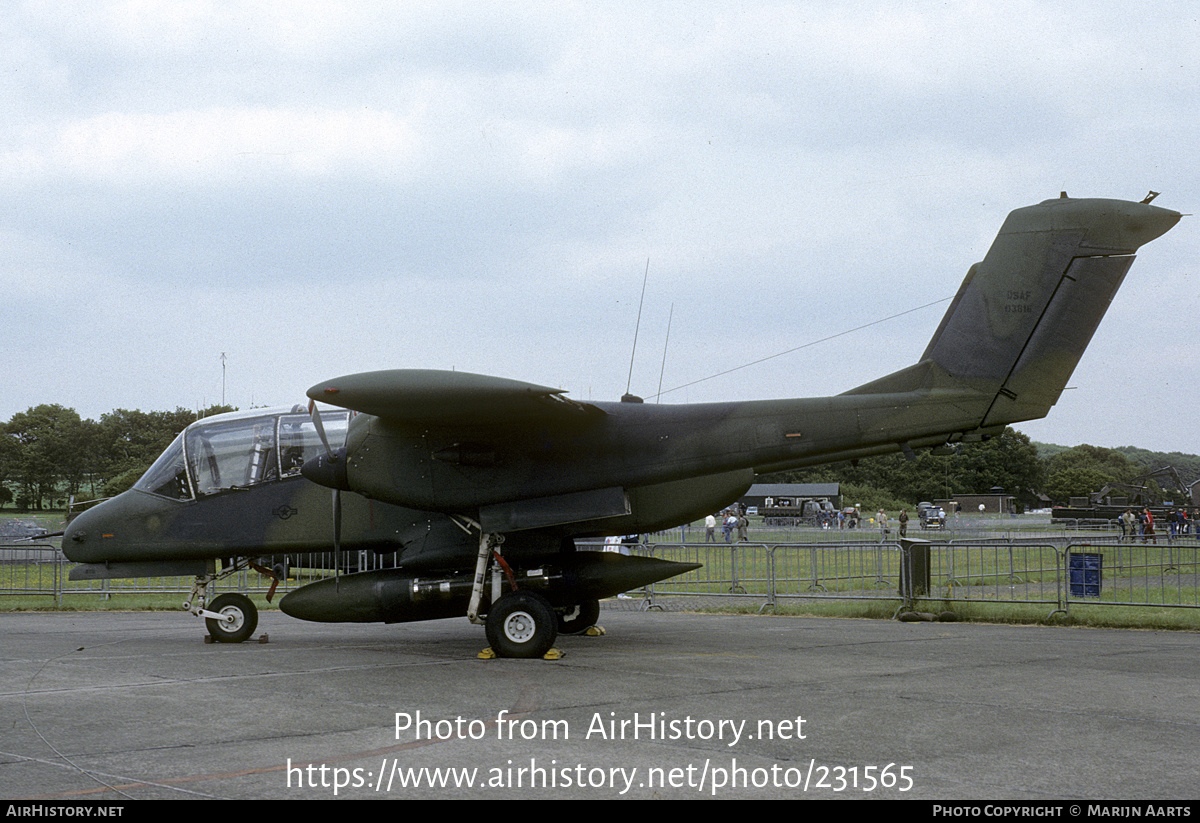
{"points": [[21, 530], [932, 517]]}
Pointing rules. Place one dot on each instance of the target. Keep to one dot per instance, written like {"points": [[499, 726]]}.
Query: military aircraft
{"points": [[484, 484]]}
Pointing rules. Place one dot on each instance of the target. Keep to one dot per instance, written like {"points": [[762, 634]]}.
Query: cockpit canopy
{"points": [[240, 450]]}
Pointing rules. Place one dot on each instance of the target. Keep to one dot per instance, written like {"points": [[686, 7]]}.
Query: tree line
{"points": [[1009, 461], [48, 454]]}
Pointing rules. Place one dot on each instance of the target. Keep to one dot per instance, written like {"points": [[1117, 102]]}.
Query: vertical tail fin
{"points": [[1023, 317]]}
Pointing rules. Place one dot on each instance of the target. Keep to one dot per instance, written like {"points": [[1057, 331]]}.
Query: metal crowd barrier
{"points": [[1054, 571], [32, 568], [919, 573]]}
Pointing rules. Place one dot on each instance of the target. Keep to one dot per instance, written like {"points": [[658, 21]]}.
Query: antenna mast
{"points": [[661, 371], [627, 397]]}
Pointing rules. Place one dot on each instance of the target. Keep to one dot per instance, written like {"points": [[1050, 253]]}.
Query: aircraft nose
{"points": [[82, 536], [72, 534], [328, 470]]}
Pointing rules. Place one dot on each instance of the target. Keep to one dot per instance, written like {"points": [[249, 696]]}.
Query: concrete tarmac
{"points": [[100, 707]]}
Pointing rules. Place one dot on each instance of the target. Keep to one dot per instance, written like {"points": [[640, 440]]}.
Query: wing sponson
{"points": [[446, 396]]}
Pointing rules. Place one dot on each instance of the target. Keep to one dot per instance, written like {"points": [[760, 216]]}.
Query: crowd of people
{"points": [[1141, 524], [732, 520]]}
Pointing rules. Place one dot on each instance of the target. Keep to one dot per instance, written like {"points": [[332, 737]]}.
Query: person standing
{"points": [[727, 527]]}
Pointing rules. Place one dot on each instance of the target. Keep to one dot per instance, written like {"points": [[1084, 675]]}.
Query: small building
{"points": [[794, 493]]}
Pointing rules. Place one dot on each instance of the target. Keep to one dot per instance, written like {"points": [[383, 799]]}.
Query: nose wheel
{"points": [[231, 618], [236, 620]]}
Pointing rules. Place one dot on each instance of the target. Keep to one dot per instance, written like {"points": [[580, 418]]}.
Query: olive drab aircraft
{"points": [[483, 484]]}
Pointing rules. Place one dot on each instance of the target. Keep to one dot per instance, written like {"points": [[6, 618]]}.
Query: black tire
{"points": [[521, 624], [589, 613], [241, 618]]}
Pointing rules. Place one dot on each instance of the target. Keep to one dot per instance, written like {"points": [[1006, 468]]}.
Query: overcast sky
{"points": [[315, 189]]}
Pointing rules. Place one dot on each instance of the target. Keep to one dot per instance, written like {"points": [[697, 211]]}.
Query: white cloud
{"points": [[218, 147], [480, 186]]}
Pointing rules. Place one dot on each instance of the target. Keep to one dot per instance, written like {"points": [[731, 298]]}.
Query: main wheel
{"points": [[239, 618], [521, 624], [579, 619]]}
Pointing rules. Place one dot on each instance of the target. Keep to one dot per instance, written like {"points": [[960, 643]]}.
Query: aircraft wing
{"points": [[449, 397]]}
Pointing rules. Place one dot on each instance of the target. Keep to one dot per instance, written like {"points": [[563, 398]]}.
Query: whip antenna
{"points": [[662, 370], [629, 383]]}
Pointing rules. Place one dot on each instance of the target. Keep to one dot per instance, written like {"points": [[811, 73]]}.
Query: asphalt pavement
{"points": [[111, 706]]}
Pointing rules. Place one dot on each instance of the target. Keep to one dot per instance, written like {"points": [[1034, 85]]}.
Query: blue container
{"points": [[1085, 574]]}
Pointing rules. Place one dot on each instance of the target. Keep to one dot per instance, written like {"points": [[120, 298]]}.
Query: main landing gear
{"points": [[579, 619], [520, 623]]}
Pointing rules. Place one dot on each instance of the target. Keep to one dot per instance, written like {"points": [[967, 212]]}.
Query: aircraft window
{"points": [[299, 441], [233, 454], [168, 475]]}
